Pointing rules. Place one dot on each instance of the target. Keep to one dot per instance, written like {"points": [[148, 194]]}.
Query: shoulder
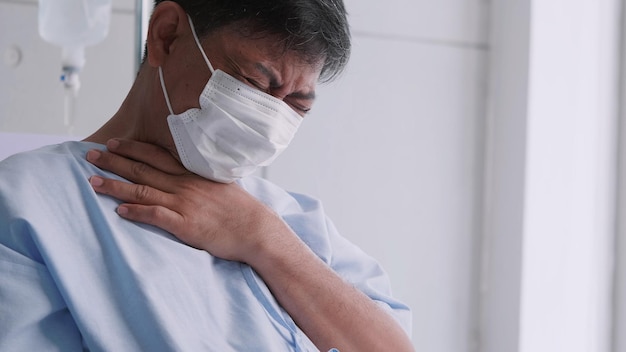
{"points": [[39, 187], [45, 178], [304, 214], [282, 201], [301, 211], [45, 162]]}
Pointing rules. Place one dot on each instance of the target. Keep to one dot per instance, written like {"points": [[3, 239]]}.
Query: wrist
{"points": [[276, 247]]}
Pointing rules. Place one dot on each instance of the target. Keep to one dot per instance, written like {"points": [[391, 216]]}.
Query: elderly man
{"points": [[193, 254]]}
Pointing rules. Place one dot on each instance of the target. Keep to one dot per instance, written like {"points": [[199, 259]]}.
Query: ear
{"points": [[167, 23]]}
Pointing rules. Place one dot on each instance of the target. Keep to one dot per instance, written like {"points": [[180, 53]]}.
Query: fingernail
{"points": [[96, 181], [93, 155], [122, 210], [113, 144]]}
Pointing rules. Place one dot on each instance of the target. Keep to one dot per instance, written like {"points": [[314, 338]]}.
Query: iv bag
{"points": [[73, 25]]}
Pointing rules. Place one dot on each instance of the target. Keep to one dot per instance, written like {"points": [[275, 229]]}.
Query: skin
{"points": [[223, 219]]}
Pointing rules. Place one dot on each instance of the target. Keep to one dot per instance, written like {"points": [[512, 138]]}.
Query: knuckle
{"points": [[141, 193], [138, 169], [155, 213]]}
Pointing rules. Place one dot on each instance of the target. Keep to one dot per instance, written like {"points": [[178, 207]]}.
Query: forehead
{"points": [[261, 51]]}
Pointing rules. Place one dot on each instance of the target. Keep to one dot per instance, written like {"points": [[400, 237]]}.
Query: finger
{"points": [[132, 170], [153, 155], [130, 193], [155, 215]]}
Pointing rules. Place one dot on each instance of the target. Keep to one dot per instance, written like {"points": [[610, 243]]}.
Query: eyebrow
{"points": [[274, 82], [304, 96]]}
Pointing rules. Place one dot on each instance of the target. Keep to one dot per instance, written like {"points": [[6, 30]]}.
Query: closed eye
{"points": [[301, 110], [301, 102], [255, 84]]}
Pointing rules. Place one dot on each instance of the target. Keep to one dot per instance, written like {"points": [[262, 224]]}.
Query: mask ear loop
{"points": [[195, 36], [167, 98], [206, 59]]}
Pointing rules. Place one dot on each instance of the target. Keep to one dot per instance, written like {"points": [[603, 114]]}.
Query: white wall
{"points": [[551, 180], [394, 150], [31, 97], [570, 172]]}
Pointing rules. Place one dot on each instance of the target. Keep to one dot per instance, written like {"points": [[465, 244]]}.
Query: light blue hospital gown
{"points": [[74, 275]]}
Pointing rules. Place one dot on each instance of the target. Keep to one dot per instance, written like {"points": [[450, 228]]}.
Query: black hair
{"points": [[315, 29]]}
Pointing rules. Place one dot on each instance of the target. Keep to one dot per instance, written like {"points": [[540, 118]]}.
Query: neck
{"points": [[139, 118]]}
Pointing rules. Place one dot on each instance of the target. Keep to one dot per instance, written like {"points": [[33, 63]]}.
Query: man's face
{"points": [[258, 61]]}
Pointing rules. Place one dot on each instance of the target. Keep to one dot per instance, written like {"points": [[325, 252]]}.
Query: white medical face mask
{"points": [[236, 130]]}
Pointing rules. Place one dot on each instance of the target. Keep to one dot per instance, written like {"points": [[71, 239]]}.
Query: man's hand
{"points": [[222, 219]]}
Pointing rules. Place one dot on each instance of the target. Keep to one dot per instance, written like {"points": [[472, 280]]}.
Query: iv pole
{"points": [[143, 9]]}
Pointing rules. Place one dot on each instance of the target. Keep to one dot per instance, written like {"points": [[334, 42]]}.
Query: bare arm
{"points": [[229, 223]]}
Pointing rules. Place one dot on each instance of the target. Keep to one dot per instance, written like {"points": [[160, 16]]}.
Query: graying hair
{"points": [[316, 29]]}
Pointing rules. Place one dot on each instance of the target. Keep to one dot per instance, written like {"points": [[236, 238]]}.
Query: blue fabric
{"points": [[75, 275]]}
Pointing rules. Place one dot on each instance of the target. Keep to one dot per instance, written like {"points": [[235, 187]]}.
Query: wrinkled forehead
{"points": [[308, 50]]}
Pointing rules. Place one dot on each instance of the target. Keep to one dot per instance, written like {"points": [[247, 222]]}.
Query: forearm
{"points": [[329, 310]]}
